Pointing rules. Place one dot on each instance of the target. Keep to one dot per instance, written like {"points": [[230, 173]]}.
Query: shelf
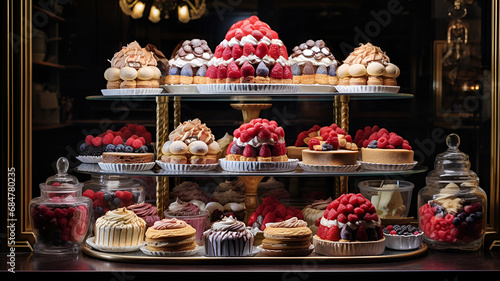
{"points": [[94, 169], [257, 97], [50, 14], [49, 64]]}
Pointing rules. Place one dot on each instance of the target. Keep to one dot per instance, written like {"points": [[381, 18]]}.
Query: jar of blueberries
{"points": [[61, 217], [452, 206], [110, 192]]}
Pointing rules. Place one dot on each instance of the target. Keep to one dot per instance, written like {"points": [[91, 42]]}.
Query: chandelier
{"points": [[186, 9]]}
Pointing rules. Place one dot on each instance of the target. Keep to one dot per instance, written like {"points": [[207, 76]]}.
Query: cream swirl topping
{"points": [[321, 204], [366, 53], [257, 142], [143, 209], [228, 224], [120, 216], [289, 223], [181, 207], [172, 223]]}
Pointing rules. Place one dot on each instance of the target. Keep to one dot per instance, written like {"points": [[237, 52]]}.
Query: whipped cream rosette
{"points": [[189, 63], [251, 52], [135, 67], [119, 228], [145, 211], [312, 62], [368, 65]]}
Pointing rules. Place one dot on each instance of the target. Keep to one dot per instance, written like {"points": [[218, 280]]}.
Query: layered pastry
{"points": [[259, 140], [313, 63], [230, 191], [171, 235], [131, 138], [349, 226], [187, 191], [118, 228], [251, 52], [228, 238], [291, 237], [135, 67], [328, 145], [314, 212], [145, 211], [127, 158], [368, 65], [190, 213], [192, 142], [189, 63], [384, 147], [272, 210]]}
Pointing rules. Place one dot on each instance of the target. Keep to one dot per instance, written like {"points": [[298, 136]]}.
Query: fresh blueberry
{"points": [[108, 197], [120, 148], [326, 146], [469, 219], [128, 148], [332, 70], [173, 71], [99, 210], [187, 70], [82, 147], [110, 148], [145, 148], [479, 215], [117, 201], [202, 71], [456, 221], [373, 144]]}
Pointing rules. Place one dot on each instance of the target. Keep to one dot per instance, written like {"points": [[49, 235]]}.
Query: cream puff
{"points": [[128, 73], [178, 147], [145, 73], [112, 74], [128, 84], [198, 148]]}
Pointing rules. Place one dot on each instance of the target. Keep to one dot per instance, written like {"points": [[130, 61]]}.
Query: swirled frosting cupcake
{"points": [[145, 211], [118, 228], [171, 235], [228, 238], [314, 212], [190, 213], [291, 237]]}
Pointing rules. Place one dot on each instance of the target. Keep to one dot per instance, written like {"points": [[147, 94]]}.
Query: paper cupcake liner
{"points": [[255, 251], [368, 89], [145, 250], [329, 169], [186, 167], [403, 242], [181, 89], [387, 167], [244, 166], [119, 167], [113, 249], [131, 92], [247, 88], [316, 88], [89, 159], [355, 248]]}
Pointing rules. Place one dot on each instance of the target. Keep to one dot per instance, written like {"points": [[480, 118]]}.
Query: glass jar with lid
{"points": [[61, 217], [110, 192], [452, 206]]}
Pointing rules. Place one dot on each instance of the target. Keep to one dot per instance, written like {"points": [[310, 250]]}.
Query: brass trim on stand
{"points": [[162, 183]]}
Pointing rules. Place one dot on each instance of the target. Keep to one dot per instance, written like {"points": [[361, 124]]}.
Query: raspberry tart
{"points": [[350, 226]]}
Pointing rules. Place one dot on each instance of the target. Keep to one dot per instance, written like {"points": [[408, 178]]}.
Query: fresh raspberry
{"points": [[375, 128], [274, 51], [119, 194], [340, 131], [390, 227], [342, 218], [236, 133], [382, 131], [313, 142], [333, 233], [277, 71], [393, 232], [117, 140], [348, 138], [127, 134], [88, 139], [247, 69], [248, 49], [395, 140], [352, 218], [406, 146], [137, 143], [97, 141], [300, 139], [264, 134], [261, 50], [269, 200], [135, 137], [233, 71], [259, 209], [221, 72], [230, 34], [129, 141], [334, 141], [280, 211], [236, 52], [298, 213], [280, 132], [89, 193], [382, 142], [390, 146], [257, 35], [265, 151], [252, 132]]}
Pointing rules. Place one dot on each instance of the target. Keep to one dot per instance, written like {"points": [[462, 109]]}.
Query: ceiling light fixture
{"points": [[186, 9]]}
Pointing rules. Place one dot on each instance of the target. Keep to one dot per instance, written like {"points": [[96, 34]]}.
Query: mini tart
{"points": [[126, 158], [348, 248], [387, 156], [339, 157]]}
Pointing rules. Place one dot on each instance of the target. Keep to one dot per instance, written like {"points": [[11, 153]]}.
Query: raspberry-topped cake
{"points": [[350, 226], [251, 52], [378, 145], [189, 63], [259, 140], [368, 65], [313, 63]]}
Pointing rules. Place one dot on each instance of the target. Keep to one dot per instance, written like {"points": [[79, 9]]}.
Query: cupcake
{"points": [[230, 191], [291, 237], [228, 238], [145, 211], [190, 213], [314, 212], [171, 235], [118, 228]]}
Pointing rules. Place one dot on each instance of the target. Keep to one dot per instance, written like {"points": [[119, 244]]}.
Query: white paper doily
{"points": [[89, 159], [186, 167], [181, 89], [145, 250], [119, 167], [329, 169], [387, 167], [316, 88], [367, 89], [112, 249], [247, 88], [247, 166], [131, 92]]}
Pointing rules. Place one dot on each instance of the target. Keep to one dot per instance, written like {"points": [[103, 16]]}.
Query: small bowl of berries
{"points": [[402, 237]]}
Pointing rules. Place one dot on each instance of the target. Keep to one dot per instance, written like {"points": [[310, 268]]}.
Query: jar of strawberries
{"points": [[61, 217], [452, 206]]}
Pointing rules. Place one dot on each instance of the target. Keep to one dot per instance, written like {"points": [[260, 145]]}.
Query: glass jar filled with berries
{"points": [[61, 217], [452, 206], [110, 192]]}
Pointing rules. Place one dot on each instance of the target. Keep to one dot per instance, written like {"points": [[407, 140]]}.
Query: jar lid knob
{"points": [[453, 141], [62, 166]]}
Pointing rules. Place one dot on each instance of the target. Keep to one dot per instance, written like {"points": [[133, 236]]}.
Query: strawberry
{"points": [[253, 19], [279, 149], [247, 29], [227, 53], [270, 217], [222, 72], [212, 72], [280, 211], [252, 132], [283, 51], [333, 205], [313, 142], [280, 132], [249, 151], [264, 134], [361, 234], [236, 52], [275, 137], [233, 71], [274, 51], [247, 69], [236, 133], [287, 72], [248, 49], [274, 34], [265, 151], [322, 230], [97, 141], [333, 233], [252, 218], [261, 50], [88, 139], [239, 34], [245, 137], [332, 214], [218, 51], [269, 34], [257, 35], [230, 34], [277, 71], [267, 209], [117, 140]]}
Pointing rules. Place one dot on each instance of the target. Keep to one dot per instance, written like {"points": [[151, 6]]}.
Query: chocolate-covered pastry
{"points": [[189, 57], [314, 54]]}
